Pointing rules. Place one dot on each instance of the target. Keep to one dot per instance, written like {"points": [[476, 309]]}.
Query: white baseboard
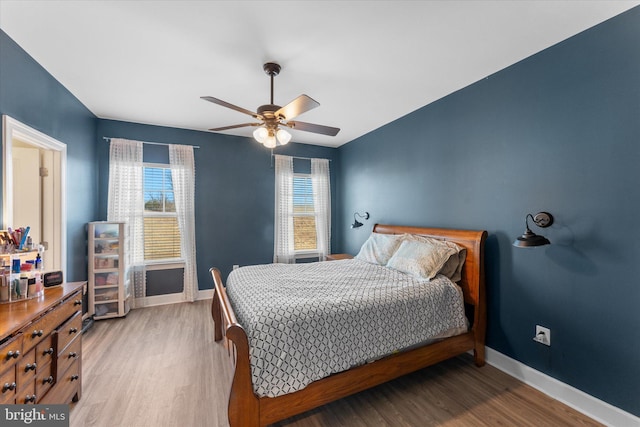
{"points": [[170, 299], [205, 294], [597, 409]]}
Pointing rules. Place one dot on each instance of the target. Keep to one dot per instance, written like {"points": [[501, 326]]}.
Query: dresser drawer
{"points": [[69, 355], [8, 387], [69, 330], [10, 351], [45, 351], [26, 367], [39, 329], [44, 380], [66, 387], [26, 393], [70, 307]]}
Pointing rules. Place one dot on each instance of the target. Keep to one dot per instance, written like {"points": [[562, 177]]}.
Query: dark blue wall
{"points": [[557, 132], [234, 190], [28, 93]]}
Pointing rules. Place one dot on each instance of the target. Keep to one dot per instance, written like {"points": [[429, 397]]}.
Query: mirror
{"points": [[33, 188]]}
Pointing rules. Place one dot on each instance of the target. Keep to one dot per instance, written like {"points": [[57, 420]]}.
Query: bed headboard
{"points": [[472, 282]]}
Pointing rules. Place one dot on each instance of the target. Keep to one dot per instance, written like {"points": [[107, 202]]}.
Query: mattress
{"points": [[307, 321]]}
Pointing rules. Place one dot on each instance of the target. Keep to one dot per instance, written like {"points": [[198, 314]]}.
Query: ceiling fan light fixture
{"points": [[261, 134], [283, 136], [270, 141]]}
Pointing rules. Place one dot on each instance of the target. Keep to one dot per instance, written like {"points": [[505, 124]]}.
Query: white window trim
{"points": [[166, 263], [306, 254]]}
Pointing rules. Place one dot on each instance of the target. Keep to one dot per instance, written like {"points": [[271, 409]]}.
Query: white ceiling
{"points": [[366, 62]]}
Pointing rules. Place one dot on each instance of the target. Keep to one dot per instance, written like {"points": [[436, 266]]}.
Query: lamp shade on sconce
{"points": [[529, 239], [356, 223]]}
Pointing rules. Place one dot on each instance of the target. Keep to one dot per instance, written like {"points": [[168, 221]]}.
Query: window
{"points": [[302, 226], [161, 232], [304, 215]]}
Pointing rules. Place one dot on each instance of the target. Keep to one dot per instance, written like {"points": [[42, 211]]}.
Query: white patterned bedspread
{"points": [[307, 321]]}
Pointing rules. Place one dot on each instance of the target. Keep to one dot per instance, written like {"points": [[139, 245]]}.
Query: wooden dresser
{"points": [[41, 347]]}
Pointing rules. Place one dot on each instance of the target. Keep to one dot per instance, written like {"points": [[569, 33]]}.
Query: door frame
{"points": [[14, 129]]}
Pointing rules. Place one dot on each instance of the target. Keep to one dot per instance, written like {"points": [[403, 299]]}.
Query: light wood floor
{"points": [[160, 367]]}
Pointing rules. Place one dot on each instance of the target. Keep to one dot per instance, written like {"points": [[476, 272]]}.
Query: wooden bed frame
{"points": [[247, 409]]}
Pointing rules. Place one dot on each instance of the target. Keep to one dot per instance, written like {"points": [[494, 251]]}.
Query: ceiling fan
{"points": [[274, 117]]}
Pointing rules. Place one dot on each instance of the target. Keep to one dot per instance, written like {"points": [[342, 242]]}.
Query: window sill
{"points": [[305, 255], [164, 264]]}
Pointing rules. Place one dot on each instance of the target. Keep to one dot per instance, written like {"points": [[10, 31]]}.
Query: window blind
{"points": [[304, 220], [161, 232]]}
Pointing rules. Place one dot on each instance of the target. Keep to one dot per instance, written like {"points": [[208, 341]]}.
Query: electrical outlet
{"points": [[235, 266], [543, 335]]}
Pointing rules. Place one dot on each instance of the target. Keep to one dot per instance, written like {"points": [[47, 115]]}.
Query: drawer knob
{"points": [[73, 354], [13, 354], [48, 351], [30, 367], [74, 377], [73, 330], [6, 387], [77, 302], [30, 398], [48, 380], [37, 333]]}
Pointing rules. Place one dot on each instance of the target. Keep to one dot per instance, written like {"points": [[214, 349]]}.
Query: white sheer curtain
{"points": [[125, 204], [283, 251], [322, 205], [183, 177]]}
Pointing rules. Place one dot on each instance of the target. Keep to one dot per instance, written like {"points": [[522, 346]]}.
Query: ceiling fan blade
{"points": [[226, 104], [235, 126], [310, 127], [300, 105]]}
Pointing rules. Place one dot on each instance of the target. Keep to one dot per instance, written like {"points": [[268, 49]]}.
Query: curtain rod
{"points": [[301, 158], [108, 138]]}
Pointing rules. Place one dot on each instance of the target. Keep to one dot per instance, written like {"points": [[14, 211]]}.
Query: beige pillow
{"points": [[421, 258], [379, 248], [453, 267]]}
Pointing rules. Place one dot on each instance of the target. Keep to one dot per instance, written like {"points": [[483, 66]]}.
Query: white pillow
{"points": [[421, 258], [379, 248]]}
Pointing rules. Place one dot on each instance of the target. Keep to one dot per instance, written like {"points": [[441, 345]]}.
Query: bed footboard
{"points": [[244, 406]]}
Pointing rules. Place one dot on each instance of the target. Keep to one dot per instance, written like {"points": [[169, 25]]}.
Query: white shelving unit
{"points": [[7, 290], [109, 283]]}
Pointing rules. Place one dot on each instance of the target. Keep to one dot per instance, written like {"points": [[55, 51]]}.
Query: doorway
{"points": [[33, 188]]}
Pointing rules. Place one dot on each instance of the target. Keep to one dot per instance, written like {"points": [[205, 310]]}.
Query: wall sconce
{"points": [[357, 223], [529, 239]]}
